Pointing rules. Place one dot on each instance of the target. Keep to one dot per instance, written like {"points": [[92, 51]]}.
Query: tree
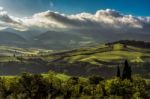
{"points": [[73, 80], [126, 71], [3, 90], [124, 45], [121, 88], [33, 86], [118, 71], [95, 79]]}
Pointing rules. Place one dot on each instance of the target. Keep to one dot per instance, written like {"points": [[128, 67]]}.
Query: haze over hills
{"points": [[74, 49], [57, 31], [62, 40], [10, 38], [25, 34]]}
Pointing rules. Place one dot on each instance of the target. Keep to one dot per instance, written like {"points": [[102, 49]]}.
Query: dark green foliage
{"points": [[121, 88], [95, 79], [118, 71], [73, 80], [3, 89], [126, 71], [127, 89], [32, 86], [141, 44], [29, 86]]}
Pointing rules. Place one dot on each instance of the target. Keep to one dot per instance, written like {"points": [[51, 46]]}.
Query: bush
{"points": [[95, 79], [127, 89], [29, 86]]}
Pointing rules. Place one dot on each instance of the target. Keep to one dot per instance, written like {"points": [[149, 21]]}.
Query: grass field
{"points": [[98, 54], [94, 55], [8, 53]]}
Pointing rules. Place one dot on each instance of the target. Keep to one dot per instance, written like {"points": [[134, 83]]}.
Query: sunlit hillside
{"points": [[104, 54]]}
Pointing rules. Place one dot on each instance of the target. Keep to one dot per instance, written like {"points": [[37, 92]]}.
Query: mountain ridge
{"points": [[65, 40]]}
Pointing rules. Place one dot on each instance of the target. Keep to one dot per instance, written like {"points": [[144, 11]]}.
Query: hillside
{"points": [[99, 60], [103, 55], [12, 51], [63, 40], [59, 40], [11, 38]]}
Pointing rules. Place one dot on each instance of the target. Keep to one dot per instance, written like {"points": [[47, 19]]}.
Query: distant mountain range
{"points": [[62, 40], [11, 38]]}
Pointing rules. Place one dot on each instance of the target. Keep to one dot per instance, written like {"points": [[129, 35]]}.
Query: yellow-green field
{"points": [[114, 53], [97, 55], [8, 53]]}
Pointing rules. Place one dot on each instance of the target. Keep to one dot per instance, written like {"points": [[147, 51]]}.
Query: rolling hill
{"points": [[11, 51], [99, 60], [103, 55]]}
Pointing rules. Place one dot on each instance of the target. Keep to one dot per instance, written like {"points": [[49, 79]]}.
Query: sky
{"points": [[28, 7], [100, 16]]}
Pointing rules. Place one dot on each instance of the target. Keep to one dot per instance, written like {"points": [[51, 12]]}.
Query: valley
{"points": [[64, 40], [69, 49], [101, 60]]}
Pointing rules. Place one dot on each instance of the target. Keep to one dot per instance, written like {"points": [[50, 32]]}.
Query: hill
{"points": [[11, 51], [99, 60], [63, 40], [134, 43], [11, 38], [60, 40], [104, 54]]}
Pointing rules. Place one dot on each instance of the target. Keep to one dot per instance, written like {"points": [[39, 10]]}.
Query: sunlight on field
{"points": [[117, 47], [60, 76], [106, 54]]}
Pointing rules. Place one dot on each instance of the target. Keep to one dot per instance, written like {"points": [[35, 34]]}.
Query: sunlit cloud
{"points": [[102, 21], [1, 8]]}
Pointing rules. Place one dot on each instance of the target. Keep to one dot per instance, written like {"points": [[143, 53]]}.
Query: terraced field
{"points": [[8, 53], [104, 54], [84, 61]]}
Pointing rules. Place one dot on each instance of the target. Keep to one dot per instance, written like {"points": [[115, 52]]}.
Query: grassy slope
{"points": [[62, 77], [7, 53], [103, 54], [98, 55]]}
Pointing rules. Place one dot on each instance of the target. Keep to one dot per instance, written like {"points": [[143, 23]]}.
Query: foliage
{"points": [[126, 71], [95, 79], [33, 86], [118, 71]]}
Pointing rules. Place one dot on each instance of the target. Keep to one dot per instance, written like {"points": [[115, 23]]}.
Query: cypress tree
{"points": [[118, 71], [126, 71]]}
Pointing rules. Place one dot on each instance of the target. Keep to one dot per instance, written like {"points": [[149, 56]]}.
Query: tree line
{"points": [[135, 43], [37, 86]]}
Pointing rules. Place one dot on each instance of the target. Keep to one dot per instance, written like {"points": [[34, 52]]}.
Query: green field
{"points": [[82, 61], [103, 54], [85, 86], [8, 53], [97, 55]]}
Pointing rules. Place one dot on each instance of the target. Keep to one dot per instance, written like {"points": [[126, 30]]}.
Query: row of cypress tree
{"points": [[127, 72]]}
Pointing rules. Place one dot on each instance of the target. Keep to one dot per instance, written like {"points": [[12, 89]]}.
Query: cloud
{"points": [[1, 8], [103, 21], [8, 21]]}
